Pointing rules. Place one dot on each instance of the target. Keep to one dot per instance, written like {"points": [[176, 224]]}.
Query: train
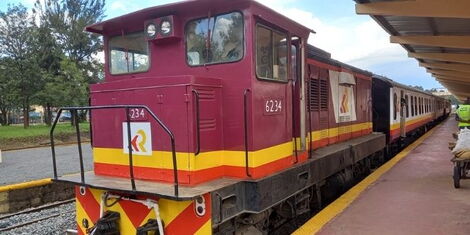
{"points": [[217, 117]]}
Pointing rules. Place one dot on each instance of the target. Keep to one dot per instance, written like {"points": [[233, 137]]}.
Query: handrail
{"points": [[198, 127], [129, 149], [310, 140], [293, 122], [74, 111], [245, 122]]}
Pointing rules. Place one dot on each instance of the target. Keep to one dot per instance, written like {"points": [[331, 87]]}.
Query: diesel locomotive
{"points": [[217, 117]]}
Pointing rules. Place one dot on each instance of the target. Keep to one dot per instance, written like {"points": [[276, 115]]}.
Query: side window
{"points": [[395, 103], [295, 60], [218, 39], [420, 105], [407, 105], [271, 54], [128, 54], [416, 106]]}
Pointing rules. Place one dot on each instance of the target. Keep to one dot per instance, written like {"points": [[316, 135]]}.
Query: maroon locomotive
{"points": [[218, 117]]}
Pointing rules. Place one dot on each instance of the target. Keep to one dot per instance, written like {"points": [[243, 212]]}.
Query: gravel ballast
{"points": [[54, 225]]}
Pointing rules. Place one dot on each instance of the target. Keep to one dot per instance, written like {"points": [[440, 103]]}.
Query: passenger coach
{"points": [[403, 113]]}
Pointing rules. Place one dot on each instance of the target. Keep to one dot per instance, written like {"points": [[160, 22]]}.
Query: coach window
{"points": [[407, 105], [128, 54], [420, 107], [427, 105], [420, 104], [416, 106], [395, 106], [214, 40], [271, 54]]}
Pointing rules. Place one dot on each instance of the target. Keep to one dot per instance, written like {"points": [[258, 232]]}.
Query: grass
{"points": [[8, 132]]}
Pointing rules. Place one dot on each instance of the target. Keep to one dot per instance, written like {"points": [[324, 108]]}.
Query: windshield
{"points": [[213, 40], [128, 54]]}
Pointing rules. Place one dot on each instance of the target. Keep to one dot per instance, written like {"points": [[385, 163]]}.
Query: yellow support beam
{"points": [[437, 41], [449, 73], [450, 57], [450, 78], [457, 88], [453, 82], [418, 8], [446, 66]]}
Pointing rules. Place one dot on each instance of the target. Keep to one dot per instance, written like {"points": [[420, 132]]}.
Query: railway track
{"points": [[41, 220]]}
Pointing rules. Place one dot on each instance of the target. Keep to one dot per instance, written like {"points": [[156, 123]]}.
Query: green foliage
{"points": [[67, 19], [8, 94], [45, 56], [17, 49], [67, 88]]}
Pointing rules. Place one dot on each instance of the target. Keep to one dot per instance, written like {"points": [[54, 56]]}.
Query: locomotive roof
{"points": [[202, 6], [325, 57]]}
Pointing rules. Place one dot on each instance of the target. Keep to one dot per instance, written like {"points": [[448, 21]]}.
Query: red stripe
{"points": [[79, 230], [89, 204], [395, 133], [136, 212], [197, 177], [187, 222], [343, 137]]}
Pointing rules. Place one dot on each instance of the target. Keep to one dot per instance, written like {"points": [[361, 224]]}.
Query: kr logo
{"points": [[141, 138], [140, 146]]}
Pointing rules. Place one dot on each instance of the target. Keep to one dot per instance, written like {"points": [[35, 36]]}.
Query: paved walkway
{"points": [[415, 197], [32, 164]]}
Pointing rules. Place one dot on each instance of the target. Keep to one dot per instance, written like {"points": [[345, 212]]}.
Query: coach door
{"points": [[403, 107]]}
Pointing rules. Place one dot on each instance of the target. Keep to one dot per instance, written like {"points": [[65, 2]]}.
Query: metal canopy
{"points": [[435, 32]]}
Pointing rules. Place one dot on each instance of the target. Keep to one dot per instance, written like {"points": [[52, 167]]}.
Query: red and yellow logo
{"points": [[141, 138]]}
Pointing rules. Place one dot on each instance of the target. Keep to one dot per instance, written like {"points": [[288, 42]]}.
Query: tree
{"points": [[48, 56], [418, 87], [16, 48], [67, 19], [67, 48], [8, 94]]}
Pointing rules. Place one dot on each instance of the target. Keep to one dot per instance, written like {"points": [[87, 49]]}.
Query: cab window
{"points": [[218, 39], [271, 54], [128, 53]]}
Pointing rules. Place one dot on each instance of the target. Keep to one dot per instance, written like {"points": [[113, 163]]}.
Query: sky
{"points": [[350, 38]]}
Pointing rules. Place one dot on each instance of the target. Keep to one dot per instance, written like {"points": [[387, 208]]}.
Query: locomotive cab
{"points": [[220, 77]]}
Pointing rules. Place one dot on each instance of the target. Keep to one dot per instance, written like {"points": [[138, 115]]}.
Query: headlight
{"points": [[151, 30], [165, 27]]}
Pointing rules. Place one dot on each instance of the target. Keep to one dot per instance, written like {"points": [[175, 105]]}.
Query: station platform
{"points": [[413, 193]]}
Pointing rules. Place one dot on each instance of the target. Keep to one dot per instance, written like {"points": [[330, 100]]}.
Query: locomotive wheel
{"points": [[456, 176]]}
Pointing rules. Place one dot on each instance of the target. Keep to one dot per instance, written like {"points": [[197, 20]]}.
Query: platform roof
{"points": [[435, 32]]}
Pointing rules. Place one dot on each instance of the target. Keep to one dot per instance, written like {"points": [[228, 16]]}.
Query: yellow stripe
{"points": [[206, 160], [125, 224], [189, 162], [81, 214], [170, 209], [29, 184], [205, 229], [410, 122], [336, 131], [319, 135], [324, 216]]}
